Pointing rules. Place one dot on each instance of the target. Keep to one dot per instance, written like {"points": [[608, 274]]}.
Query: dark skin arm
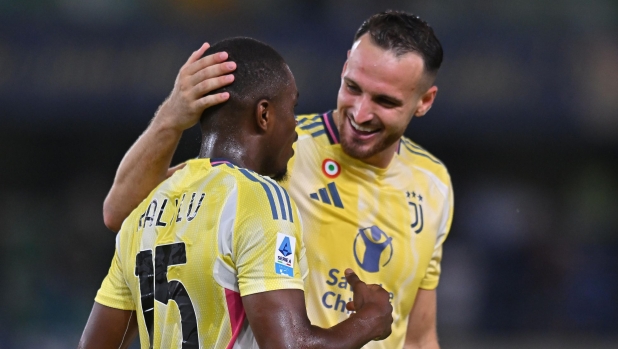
{"points": [[279, 319], [109, 328]]}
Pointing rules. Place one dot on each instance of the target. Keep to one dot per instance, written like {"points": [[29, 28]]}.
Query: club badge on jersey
{"points": [[284, 255]]}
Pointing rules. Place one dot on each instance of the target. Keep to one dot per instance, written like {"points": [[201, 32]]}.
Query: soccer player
{"points": [[214, 257], [368, 196]]}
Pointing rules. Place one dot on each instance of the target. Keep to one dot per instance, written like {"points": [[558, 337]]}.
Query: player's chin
{"points": [[359, 150]]}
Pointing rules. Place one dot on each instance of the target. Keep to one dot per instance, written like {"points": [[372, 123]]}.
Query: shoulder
{"points": [[417, 158], [262, 194], [319, 127], [220, 175]]}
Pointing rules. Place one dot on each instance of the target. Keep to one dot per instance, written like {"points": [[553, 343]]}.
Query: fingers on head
{"points": [[209, 101], [198, 53], [217, 72], [195, 64]]}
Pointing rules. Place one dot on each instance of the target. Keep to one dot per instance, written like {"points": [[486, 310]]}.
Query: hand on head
{"points": [[371, 302], [196, 78]]}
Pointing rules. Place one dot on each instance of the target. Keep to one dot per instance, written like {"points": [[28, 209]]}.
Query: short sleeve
{"points": [[268, 249], [432, 274], [114, 291]]}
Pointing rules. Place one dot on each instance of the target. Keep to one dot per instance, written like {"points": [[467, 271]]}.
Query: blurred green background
{"points": [[526, 120]]}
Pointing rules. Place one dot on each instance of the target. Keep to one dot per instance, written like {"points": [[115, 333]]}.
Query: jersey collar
{"points": [[214, 162], [330, 127]]}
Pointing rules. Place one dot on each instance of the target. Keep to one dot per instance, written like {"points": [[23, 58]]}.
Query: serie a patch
{"points": [[284, 255]]}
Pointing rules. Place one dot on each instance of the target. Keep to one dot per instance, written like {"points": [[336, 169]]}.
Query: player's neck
{"points": [[241, 152]]}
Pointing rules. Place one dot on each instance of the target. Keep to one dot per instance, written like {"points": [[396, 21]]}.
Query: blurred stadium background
{"points": [[526, 120]]}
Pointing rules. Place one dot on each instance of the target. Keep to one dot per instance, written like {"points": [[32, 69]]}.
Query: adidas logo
{"points": [[322, 195]]}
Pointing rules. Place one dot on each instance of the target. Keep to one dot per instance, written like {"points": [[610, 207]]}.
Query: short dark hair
{"points": [[401, 33], [260, 72]]}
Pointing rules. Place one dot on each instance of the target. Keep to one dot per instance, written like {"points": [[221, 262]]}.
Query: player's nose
{"points": [[362, 110]]}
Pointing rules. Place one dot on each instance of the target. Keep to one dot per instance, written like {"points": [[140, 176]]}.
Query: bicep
{"points": [[277, 318], [422, 321], [109, 328]]}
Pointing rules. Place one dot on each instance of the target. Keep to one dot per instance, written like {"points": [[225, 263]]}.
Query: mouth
{"points": [[362, 131]]}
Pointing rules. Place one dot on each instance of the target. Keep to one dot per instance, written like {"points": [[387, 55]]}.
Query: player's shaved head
{"points": [[255, 127], [261, 73], [401, 33]]}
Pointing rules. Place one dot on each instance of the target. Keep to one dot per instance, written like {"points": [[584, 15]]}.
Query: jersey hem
{"points": [[113, 303], [262, 290]]}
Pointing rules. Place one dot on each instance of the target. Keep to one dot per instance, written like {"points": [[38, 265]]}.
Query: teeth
{"points": [[359, 127]]}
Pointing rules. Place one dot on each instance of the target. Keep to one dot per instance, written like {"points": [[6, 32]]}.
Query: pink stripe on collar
{"points": [[329, 127]]}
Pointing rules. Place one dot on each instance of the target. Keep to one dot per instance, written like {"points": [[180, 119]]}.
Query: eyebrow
{"points": [[396, 101]]}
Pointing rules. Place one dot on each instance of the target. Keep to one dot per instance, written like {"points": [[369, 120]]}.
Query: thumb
{"points": [[353, 279], [357, 286]]}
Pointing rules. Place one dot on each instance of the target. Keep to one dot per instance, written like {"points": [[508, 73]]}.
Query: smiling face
{"points": [[379, 94]]}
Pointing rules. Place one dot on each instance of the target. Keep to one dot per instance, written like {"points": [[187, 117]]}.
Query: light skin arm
{"points": [[147, 162], [422, 333], [279, 319], [109, 328]]}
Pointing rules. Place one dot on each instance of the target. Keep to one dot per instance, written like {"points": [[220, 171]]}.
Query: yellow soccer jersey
{"points": [[204, 238], [388, 225]]}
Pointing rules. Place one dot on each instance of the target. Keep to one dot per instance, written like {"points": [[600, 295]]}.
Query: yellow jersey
{"points": [[387, 224], [209, 235]]}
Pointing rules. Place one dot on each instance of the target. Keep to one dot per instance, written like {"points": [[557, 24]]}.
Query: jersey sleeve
{"points": [[268, 249], [114, 291], [432, 274]]}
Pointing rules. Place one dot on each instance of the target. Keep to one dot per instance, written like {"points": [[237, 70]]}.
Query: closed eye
{"points": [[352, 88], [387, 102]]}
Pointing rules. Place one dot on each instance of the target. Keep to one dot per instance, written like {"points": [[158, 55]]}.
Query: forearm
{"points": [[347, 334], [283, 313], [143, 167], [422, 330]]}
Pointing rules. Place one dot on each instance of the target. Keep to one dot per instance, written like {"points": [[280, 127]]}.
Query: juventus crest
{"points": [[416, 204]]}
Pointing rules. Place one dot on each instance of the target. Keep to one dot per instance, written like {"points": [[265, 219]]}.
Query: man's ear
{"points": [[263, 115], [426, 101]]}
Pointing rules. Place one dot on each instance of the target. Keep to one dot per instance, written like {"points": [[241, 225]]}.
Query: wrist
{"points": [[370, 323]]}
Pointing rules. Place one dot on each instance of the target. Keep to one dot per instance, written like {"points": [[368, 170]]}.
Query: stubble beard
{"points": [[361, 151]]}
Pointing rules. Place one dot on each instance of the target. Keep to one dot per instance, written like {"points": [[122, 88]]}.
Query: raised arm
{"points": [[279, 319], [147, 162]]}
